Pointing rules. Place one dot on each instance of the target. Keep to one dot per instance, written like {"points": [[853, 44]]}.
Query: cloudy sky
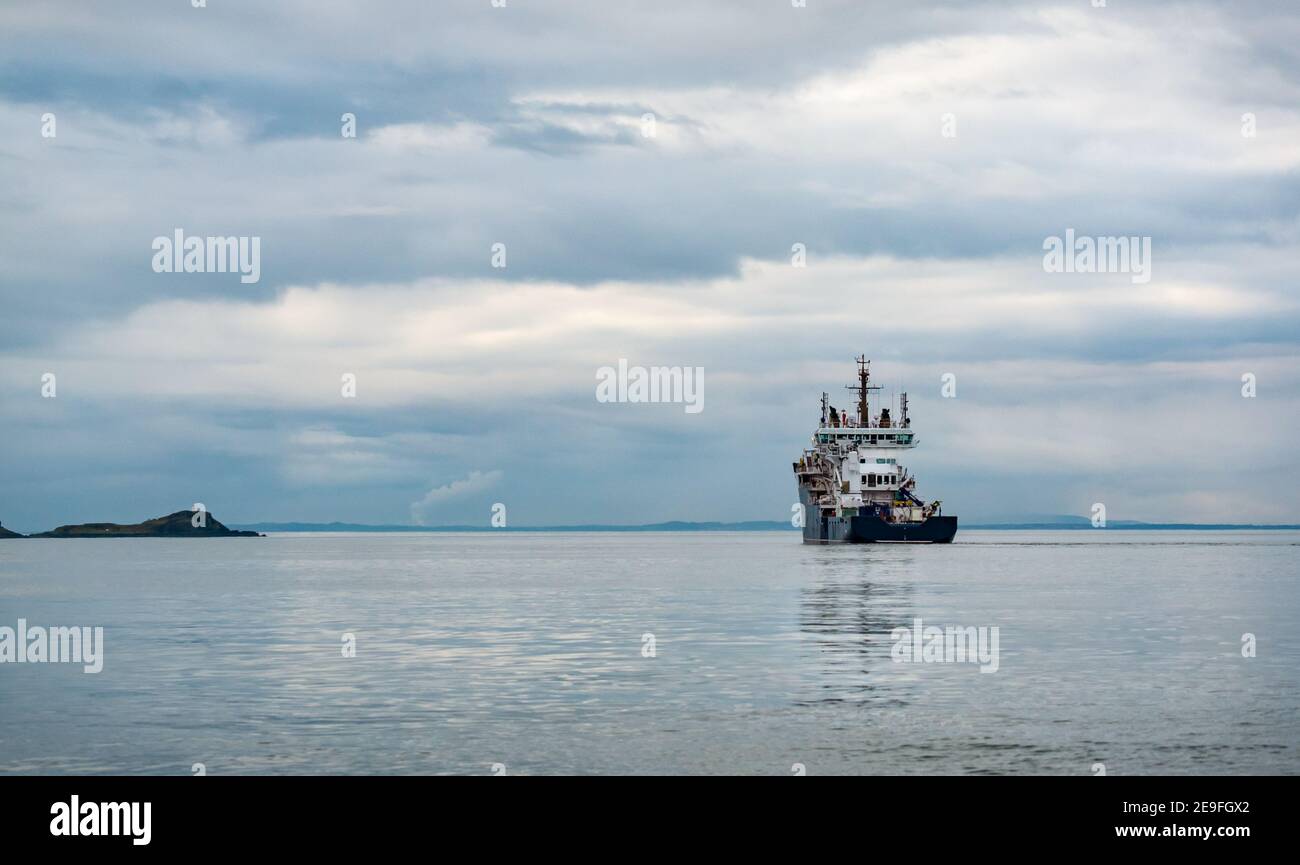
{"points": [[921, 153]]}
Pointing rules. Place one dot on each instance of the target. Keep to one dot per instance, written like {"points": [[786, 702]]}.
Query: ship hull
{"points": [[874, 530]]}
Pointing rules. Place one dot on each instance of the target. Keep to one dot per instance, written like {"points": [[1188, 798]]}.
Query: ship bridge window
{"points": [[871, 480]]}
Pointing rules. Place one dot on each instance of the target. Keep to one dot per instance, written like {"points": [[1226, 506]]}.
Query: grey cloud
{"points": [[522, 130]]}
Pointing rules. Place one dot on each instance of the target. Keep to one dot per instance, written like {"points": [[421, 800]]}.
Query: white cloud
{"points": [[476, 482], [409, 344]]}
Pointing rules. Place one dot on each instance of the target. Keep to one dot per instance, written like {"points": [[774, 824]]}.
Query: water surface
{"points": [[1122, 648]]}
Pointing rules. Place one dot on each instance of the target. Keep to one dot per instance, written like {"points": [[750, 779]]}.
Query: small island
{"points": [[177, 525]]}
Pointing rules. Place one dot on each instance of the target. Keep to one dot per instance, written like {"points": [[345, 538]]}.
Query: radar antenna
{"points": [[862, 387]]}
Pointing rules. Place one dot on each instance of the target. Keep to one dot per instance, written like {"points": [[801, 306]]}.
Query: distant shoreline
{"points": [[750, 526], [178, 525]]}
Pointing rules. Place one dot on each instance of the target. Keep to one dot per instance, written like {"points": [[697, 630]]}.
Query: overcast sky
{"points": [[922, 153]]}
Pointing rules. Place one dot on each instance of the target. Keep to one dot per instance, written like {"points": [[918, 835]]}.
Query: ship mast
{"points": [[862, 387]]}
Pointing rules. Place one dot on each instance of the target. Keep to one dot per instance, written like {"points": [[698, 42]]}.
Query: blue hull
{"points": [[874, 530]]}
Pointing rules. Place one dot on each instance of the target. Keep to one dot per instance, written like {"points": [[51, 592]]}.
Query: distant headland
{"points": [[178, 525]]}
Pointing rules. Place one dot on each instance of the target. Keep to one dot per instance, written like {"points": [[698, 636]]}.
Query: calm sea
{"points": [[531, 651]]}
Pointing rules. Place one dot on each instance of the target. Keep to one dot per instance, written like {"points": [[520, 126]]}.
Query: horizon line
{"points": [[739, 525]]}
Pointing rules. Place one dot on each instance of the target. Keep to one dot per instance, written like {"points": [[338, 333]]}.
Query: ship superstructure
{"points": [[853, 488]]}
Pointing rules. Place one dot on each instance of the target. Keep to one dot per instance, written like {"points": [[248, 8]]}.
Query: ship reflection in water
{"points": [[853, 601]]}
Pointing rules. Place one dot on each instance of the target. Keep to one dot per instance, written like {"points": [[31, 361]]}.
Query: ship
{"points": [[852, 488]]}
